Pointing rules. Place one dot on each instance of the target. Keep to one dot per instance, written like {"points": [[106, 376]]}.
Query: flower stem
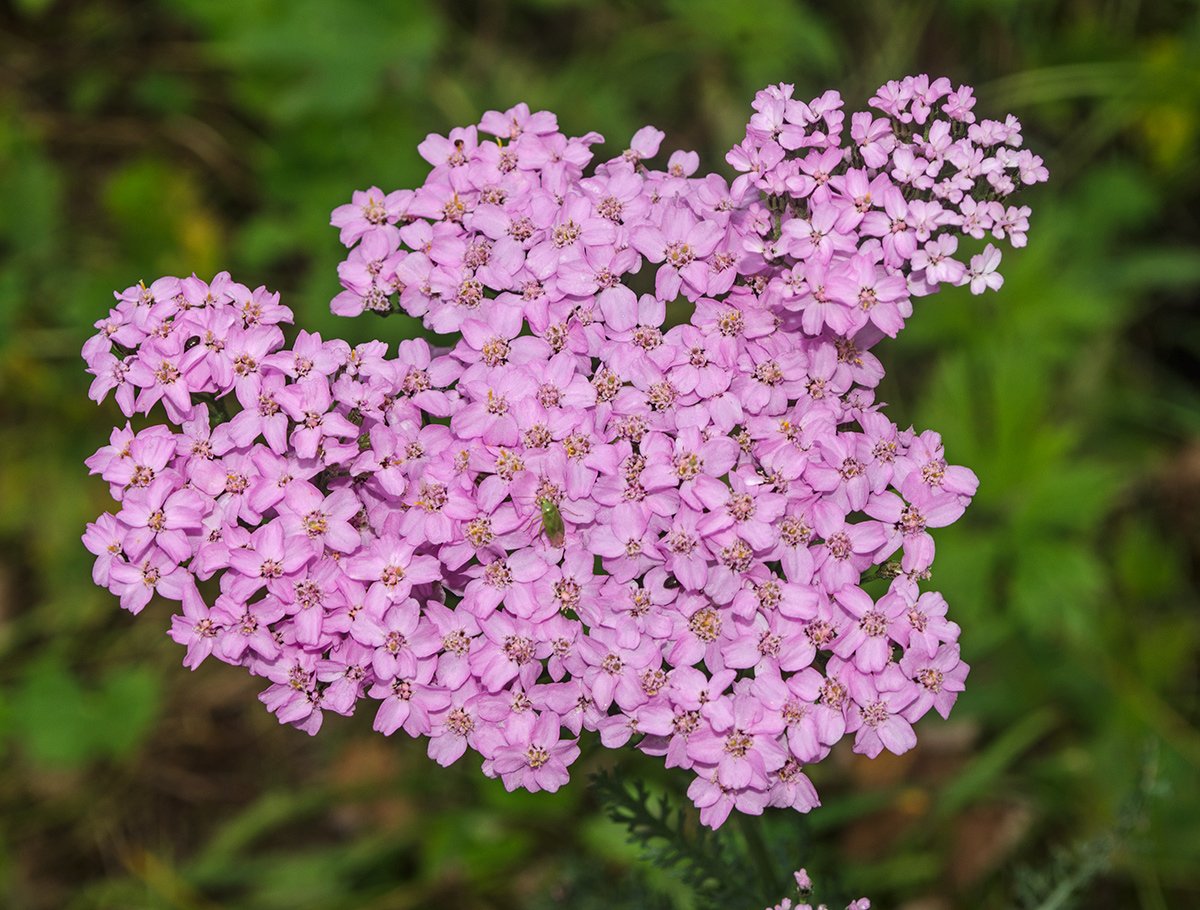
{"points": [[751, 826]]}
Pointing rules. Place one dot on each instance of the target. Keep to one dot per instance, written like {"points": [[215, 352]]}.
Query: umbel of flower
{"points": [[572, 516]]}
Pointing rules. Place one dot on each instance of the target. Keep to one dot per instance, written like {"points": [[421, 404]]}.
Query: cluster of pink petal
{"points": [[368, 526]]}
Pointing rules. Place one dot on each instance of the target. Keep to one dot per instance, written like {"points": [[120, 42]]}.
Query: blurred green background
{"points": [[172, 136]]}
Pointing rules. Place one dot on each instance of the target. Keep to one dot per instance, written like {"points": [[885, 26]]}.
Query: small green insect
{"points": [[552, 522]]}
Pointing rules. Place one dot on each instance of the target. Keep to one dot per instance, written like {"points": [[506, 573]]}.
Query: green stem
{"points": [[752, 830]]}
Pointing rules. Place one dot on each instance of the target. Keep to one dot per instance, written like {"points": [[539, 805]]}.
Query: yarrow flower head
{"points": [[571, 516]]}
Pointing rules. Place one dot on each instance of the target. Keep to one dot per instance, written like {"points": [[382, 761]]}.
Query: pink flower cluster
{"points": [[804, 886], [577, 516]]}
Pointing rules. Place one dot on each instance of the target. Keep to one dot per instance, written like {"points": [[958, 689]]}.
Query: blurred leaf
{"points": [[30, 194], [270, 812], [1072, 495], [59, 722], [300, 877], [129, 702], [1164, 650], [53, 718], [976, 781], [765, 38], [1147, 567], [1160, 268], [1055, 586], [1040, 86], [310, 57], [5, 722], [32, 7], [906, 870], [1111, 198], [165, 226], [166, 93], [609, 840], [481, 846]]}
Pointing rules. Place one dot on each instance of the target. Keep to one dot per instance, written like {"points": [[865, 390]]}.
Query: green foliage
{"points": [[673, 839], [60, 722], [1063, 881]]}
